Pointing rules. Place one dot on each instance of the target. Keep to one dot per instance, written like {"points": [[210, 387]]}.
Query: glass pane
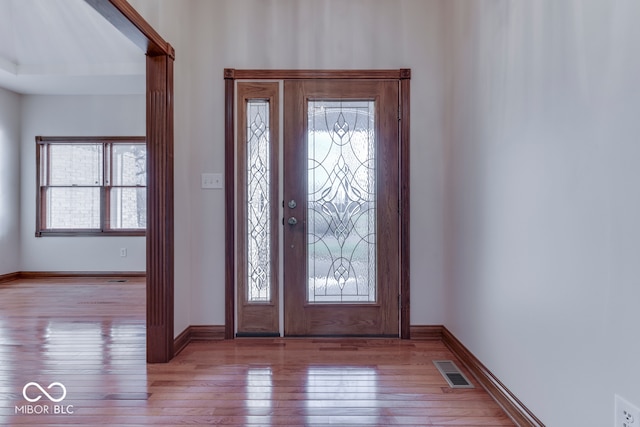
{"points": [[129, 165], [258, 202], [73, 208], [75, 164], [341, 217], [128, 208]]}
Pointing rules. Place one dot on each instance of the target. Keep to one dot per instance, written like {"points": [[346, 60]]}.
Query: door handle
{"points": [[292, 204], [292, 221]]}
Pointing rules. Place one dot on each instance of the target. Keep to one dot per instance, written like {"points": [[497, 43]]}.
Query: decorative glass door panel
{"points": [[258, 202], [341, 211], [257, 206], [341, 224]]}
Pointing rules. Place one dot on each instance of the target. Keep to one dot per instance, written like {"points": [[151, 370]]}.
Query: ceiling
{"points": [[65, 47]]}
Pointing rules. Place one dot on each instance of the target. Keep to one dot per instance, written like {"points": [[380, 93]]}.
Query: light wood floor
{"points": [[89, 335]]}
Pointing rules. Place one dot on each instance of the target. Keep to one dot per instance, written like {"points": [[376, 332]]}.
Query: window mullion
{"points": [[47, 164], [107, 178]]}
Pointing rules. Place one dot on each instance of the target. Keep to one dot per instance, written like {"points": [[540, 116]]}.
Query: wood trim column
{"points": [[229, 212], [160, 57], [405, 178], [160, 273]]}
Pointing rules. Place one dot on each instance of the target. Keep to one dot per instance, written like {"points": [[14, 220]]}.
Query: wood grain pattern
{"points": [[405, 208], [426, 332], [230, 75], [262, 317], [90, 336], [229, 208], [160, 202], [195, 333], [206, 332], [315, 74], [9, 277], [381, 318]]}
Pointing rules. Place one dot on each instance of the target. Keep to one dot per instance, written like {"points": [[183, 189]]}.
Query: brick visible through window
{"points": [[91, 185]]}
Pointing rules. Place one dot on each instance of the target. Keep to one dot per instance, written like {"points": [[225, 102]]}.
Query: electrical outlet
{"points": [[123, 252], [627, 415]]}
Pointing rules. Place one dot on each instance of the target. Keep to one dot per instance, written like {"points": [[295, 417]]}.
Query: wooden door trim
{"points": [[160, 244], [257, 319], [129, 22], [405, 177], [403, 75], [229, 211], [234, 74]]}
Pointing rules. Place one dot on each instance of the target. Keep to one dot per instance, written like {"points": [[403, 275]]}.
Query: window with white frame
{"points": [[91, 185]]}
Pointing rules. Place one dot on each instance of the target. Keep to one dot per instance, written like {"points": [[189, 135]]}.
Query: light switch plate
{"points": [[211, 180]]}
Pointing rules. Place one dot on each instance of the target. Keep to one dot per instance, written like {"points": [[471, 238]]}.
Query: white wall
{"points": [[75, 116], [9, 182], [544, 200], [537, 103], [210, 36]]}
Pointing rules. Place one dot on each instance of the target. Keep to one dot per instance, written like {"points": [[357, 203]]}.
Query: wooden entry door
{"points": [[341, 208]]}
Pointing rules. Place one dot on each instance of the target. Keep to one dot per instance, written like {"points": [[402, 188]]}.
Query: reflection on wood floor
{"points": [[89, 336]]}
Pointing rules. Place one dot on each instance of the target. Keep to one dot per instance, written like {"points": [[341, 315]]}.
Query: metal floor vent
{"points": [[452, 374]]}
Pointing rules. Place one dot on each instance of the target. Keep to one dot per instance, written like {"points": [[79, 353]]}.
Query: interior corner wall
{"points": [[52, 115], [322, 34], [9, 181], [544, 200]]}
